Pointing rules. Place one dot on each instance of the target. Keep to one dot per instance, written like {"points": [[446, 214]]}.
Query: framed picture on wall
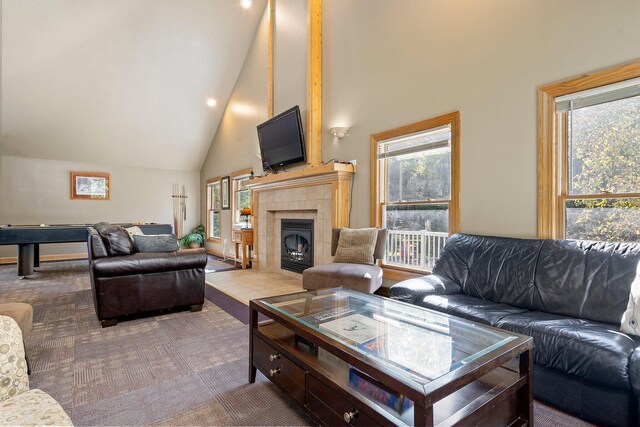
{"points": [[225, 192], [90, 185]]}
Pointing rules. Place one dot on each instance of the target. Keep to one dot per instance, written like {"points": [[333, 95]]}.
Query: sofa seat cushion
{"points": [[468, 307], [357, 277], [33, 408], [596, 352], [155, 262]]}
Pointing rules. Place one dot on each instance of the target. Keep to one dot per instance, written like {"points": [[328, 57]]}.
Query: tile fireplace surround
{"points": [[321, 193]]}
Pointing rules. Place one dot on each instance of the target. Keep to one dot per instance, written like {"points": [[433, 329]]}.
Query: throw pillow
{"points": [[631, 317], [134, 231], [116, 239], [356, 246], [156, 243]]}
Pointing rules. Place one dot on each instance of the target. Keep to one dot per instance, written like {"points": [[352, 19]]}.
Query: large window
{"points": [[214, 203], [595, 136], [416, 172]]}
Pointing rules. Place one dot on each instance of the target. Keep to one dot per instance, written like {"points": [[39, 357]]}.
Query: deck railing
{"points": [[414, 249]]}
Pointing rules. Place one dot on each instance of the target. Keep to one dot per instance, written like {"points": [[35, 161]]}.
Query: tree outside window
{"points": [[604, 159], [416, 197]]}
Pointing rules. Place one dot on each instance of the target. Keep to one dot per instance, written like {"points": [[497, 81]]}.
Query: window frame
{"points": [[209, 208], [234, 189], [553, 158], [376, 190]]}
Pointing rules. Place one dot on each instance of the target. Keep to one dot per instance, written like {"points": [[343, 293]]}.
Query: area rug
{"points": [[216, 264], [176, 369]]}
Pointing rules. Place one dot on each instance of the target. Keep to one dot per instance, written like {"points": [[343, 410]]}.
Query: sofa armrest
{"points": [[634, 371], [412, 289], [13, 362]]}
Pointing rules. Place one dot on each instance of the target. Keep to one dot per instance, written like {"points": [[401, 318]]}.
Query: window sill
{"points": [[400, 273]]}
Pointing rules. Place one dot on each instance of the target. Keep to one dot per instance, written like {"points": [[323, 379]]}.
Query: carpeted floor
{"points": [[176, 369]]}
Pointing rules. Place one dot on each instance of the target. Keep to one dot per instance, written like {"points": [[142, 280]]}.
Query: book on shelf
{"points": [[378, 392]]}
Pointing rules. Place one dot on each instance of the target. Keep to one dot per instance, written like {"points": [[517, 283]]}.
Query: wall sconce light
{"points": [[339, 132]]}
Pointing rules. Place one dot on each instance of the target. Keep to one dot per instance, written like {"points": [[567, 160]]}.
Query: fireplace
{"points": [[296, 253]]}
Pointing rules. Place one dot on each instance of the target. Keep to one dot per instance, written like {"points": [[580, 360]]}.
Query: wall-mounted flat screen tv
{"points": [[282, 139]]}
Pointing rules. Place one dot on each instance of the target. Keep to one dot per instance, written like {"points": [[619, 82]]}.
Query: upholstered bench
{"points": [[20, 406]]}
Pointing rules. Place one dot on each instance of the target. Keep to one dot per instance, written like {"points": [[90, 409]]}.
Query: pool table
{"points": [[29, 237]]}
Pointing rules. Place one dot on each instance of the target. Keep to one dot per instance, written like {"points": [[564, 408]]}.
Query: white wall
{"points": [[388, 63], [35, 191], [236, 142], [290, 56]]}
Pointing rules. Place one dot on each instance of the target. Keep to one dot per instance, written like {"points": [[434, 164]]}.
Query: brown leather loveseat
{"points": [[127, 282]]}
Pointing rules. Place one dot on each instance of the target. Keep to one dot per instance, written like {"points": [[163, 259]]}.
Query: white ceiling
{"points": [[120, 82]]}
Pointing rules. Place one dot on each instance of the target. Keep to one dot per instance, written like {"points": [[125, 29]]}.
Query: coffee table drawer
{"points": [[279, 369], [332, 408]]}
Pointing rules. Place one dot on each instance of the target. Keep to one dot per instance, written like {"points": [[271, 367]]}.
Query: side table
{"points": [[244, 239]]}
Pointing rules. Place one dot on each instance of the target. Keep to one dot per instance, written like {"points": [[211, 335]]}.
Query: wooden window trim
{"points": [[452, 119], [208, 204], [232, 176], [552, 189]]}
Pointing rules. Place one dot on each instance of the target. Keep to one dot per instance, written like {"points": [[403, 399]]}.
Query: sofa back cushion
{"points": [[498, 269], [116, 239], [588, 280]]}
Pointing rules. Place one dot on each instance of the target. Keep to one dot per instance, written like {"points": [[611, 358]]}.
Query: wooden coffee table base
{"points": [[496, 393]]}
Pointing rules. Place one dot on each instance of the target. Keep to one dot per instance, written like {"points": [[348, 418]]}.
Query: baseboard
{"points": [[44, 258], [214, 252]]}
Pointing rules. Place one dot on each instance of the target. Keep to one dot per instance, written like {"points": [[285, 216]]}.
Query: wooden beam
{"points": [[314, 124], [272, 28]]}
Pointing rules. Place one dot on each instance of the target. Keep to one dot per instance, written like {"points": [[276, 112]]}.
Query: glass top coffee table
{"points": [[361, 359]]}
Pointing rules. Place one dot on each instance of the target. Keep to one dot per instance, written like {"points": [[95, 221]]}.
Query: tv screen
{"points": [[282, 139]]}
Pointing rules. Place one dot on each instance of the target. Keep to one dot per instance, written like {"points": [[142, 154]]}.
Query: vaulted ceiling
{"points": [[120, 82]]}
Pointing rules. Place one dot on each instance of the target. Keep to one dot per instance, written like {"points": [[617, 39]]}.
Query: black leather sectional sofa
{"points": [[126, 282], [568, 295]]}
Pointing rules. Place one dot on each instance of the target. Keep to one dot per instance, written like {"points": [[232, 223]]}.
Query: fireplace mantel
{"points": [[319, 192], [310, 174]]}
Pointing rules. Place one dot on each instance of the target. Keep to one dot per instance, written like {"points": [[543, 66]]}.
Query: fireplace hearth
{"points": [[296, 252]]}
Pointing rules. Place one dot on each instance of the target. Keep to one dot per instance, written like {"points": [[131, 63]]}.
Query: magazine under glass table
{"points": [[390, 361]]}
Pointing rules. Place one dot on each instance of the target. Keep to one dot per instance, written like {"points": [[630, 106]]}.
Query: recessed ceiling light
{"points": [[211, 102], [246, 3]]}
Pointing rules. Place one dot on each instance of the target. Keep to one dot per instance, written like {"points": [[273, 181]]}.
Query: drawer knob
{"points": [[274, 357], [349, 416], [272, 372]]}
